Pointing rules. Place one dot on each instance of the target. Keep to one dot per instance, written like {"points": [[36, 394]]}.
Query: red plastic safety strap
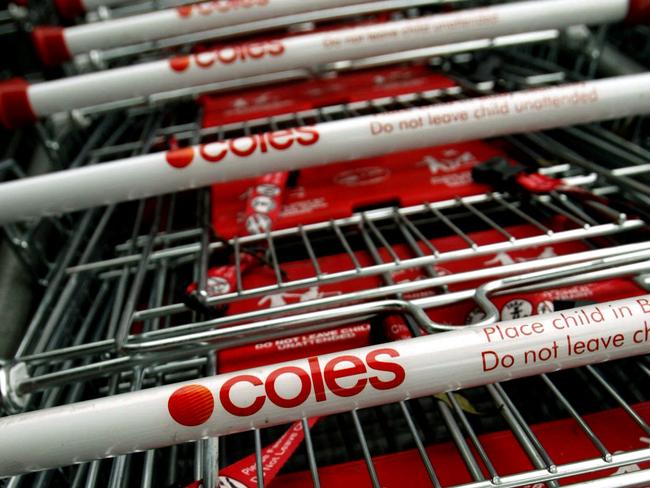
{"points": [[223, 279], [538, 183], [274, 457]]}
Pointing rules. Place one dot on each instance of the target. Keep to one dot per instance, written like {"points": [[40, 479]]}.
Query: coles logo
{"points": [[289, 386], [243, 147], [218, 6], [228, 55]]}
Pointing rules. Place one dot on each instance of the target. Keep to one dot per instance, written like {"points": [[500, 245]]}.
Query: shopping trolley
{"points": [[118, 312]]}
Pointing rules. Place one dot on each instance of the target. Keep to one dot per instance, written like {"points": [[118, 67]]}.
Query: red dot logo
{"points": [[191, 405], [184, 10], [179, 63], [180, 158]]}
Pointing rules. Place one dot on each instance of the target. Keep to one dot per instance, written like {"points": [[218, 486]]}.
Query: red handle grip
{"points": [[50, 45], [639, 12], [15, 109]]}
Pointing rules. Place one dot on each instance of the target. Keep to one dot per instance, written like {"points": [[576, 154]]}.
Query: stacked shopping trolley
{"points": [[331, 243]]}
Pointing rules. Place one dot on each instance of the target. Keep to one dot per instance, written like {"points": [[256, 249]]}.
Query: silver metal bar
{"points": [[440, 216], [473, 437], [311, 457], [420, 446], [382, 240], [460, 442], [488, 221], [310, 251], [528, 441], [274, 259], [606, 455], [612, 392], [514, 209], [346, 246], [364, 449], [565, 470], [259, 463]]}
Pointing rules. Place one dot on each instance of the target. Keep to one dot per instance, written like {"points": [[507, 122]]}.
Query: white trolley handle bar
{"points": [[323, 385], [24, 102], [56, 44], [329, 142]]}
